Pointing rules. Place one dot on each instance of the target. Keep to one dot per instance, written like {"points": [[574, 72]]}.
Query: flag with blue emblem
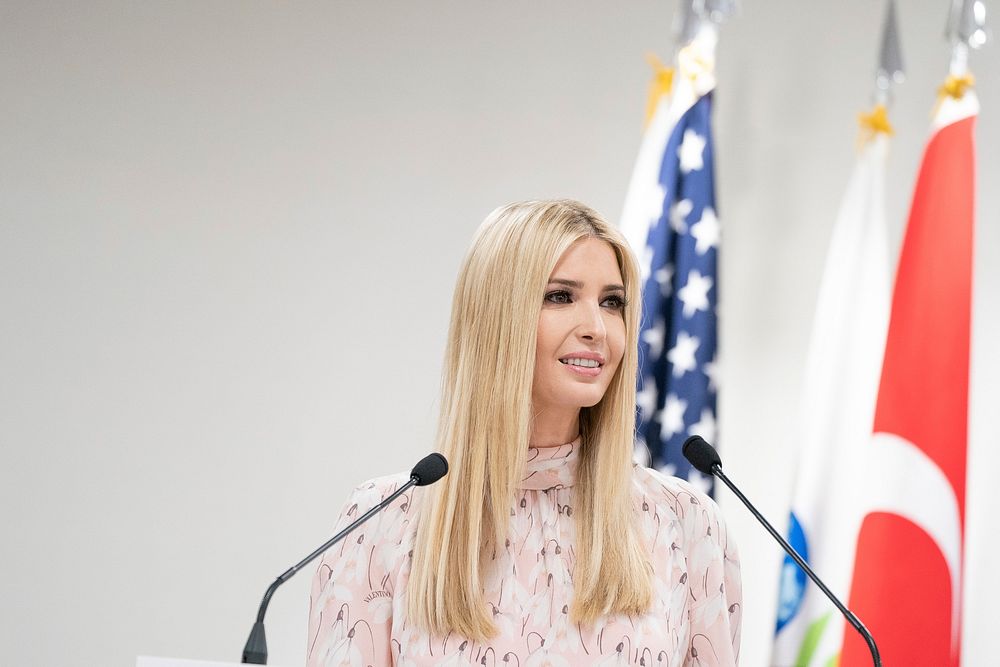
{"points": [[670, 220], [837, 407]]}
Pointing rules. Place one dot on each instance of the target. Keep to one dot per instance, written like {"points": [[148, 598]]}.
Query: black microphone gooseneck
{"points": [[704, 457], [428, 470]]}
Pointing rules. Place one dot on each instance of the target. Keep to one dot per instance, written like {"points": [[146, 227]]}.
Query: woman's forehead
{"points": [[588, 260]]}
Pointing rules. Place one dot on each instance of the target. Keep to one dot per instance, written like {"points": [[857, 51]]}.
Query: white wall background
{"points": [[228, 237]]}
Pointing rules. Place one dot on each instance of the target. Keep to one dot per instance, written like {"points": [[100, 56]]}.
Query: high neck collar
{"points": [[551, 467]]}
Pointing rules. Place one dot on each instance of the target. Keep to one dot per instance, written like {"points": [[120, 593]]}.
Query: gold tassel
{"points": [[873, 124], [953, 87], [659, 87]]}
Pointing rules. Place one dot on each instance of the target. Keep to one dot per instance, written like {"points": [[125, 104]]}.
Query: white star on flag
{"points": [[678, 215], [646, 397], [694, 294], [671, 417], [706, 231], [701, 482], [652, 198], [645, 264], [663, 276], [690, 151], [654, 338], [711, 370], [668, 469], [705, 427], [682, 354]]}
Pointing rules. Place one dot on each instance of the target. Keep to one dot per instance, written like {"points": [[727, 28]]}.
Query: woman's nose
{"points": [[591, 325]]}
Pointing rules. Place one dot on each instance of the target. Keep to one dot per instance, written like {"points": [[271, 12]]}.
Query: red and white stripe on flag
{"points": [[907, 581]]}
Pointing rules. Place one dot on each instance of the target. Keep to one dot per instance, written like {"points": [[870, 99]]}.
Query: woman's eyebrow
{"points": [[576, 284]]}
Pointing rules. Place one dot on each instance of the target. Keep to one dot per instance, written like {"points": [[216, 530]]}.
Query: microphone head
{"points": [[429, 469], [701, 454]]}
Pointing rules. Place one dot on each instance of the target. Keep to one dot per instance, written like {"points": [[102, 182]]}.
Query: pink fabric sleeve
{"points": [[350, 606], [716, 610]]}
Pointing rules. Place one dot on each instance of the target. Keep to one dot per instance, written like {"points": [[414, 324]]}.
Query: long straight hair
{"points": [[485, 423]]}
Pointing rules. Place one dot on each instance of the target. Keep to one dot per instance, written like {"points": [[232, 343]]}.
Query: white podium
{"points": [[148, 661]]}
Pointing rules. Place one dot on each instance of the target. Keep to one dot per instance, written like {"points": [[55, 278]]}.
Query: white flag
{"points": [[836, 414]]}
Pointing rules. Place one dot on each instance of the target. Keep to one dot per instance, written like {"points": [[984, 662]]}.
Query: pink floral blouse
{"points": [[358, 605]]}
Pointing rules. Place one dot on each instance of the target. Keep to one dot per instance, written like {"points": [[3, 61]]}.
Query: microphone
{"points": [[705, 459], [428, 470]]}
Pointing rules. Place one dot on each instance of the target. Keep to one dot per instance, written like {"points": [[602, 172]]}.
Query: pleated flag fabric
{"points": [[837, 408], [670, 220], [907, 580]]}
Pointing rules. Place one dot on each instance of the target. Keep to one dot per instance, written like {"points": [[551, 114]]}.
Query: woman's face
{"points": [[581, 329]]}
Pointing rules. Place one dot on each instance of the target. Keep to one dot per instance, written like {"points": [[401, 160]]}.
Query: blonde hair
{"points": [[485, 423]]}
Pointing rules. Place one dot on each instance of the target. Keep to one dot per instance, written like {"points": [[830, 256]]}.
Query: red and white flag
{"points": [[907, 580]]}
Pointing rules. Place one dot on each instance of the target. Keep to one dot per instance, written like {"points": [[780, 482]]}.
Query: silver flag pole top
{"points": [[967, 23], [966, 29], [693, 14], [890, 60]]}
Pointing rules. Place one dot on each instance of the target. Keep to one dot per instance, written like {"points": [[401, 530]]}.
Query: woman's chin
{"points": [[585, 400]]}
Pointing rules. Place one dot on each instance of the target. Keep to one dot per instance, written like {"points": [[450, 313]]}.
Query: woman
{"points": [[545, 544]]}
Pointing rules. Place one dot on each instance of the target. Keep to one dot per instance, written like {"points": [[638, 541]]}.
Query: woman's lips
{"points": [[585, 371]]}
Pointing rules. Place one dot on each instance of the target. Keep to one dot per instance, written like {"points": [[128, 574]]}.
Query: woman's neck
{"points": [[551, 427]]}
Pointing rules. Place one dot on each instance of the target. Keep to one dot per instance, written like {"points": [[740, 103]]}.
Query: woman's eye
{"points": [[614, 302], [558, 297]]}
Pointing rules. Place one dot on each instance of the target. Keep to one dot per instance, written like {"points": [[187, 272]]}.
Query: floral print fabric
{"points": [[358, 603]]}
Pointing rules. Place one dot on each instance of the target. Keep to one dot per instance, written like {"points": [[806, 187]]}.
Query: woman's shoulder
{"points": [[366, 495], [378, 488], [653, 481], [697, 512]]}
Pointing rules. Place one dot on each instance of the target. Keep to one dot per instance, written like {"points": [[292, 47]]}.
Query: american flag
{"points": [[677, 346]]}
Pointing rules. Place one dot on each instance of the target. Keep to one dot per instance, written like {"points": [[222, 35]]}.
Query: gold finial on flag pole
{"points": [[965, 29], [659, 87], [696, 26], [696, 33], [874, 123], [888, 73]]}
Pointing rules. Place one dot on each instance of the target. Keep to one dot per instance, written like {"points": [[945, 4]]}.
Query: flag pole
{"points": [[839, 388], [965, 29], [890, 62], [692, 16]]}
